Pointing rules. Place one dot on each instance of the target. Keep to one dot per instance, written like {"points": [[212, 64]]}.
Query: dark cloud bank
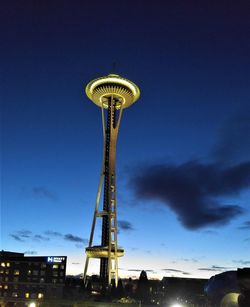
{"points": [[192, 190]]}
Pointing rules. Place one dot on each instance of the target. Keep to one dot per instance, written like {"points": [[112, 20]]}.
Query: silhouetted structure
{"points": [[113, 94], [143, 291], [243, 276], [230, 287]]}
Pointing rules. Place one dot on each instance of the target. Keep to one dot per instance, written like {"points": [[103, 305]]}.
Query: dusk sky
{"points": [[183, 152]]}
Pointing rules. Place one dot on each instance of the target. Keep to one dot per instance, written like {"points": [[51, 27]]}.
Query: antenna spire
{"points": [[114, 66]]}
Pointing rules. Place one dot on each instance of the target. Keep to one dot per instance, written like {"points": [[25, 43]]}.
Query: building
{"points": [[229, 287], [26, 279]]}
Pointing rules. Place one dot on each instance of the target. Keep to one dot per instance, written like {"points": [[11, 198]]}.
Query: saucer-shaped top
{"points": [[122, 91], [103, 252]]}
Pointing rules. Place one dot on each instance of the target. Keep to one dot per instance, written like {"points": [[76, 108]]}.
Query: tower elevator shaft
{"points": [[109, 222]]}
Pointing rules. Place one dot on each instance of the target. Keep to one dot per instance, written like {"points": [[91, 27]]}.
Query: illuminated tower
{"points": [[113, 94]]}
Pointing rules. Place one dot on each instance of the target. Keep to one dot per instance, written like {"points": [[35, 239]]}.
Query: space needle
{"points": [[112, 93]]}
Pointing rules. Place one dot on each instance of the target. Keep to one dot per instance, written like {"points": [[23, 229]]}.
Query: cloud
{"points": [[175, 271], [138, 270], [43, 192], [30, 253], [24, 235], [72, 238], [40, 238], [220, 267], [245, 226], [190, 260], [125, 225], [233, 144], [208, 269], [17, 238], [191, 190], [53, 233], [134, 248], [215, 268], [21, 235]]}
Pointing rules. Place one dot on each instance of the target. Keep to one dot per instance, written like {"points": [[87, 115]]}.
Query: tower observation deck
{"points": [[112, 94]]}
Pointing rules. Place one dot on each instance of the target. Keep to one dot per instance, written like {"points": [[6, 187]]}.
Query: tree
{"points": [[143, 288]]}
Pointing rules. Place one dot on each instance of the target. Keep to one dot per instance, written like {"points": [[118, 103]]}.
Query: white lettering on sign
{"points": [[55, 259]]}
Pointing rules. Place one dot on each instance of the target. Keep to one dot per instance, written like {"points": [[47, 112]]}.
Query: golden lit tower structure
{"points": [[112, 94]]}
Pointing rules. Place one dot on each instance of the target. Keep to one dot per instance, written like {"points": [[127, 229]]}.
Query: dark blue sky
{"points": [[189, 131]]}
